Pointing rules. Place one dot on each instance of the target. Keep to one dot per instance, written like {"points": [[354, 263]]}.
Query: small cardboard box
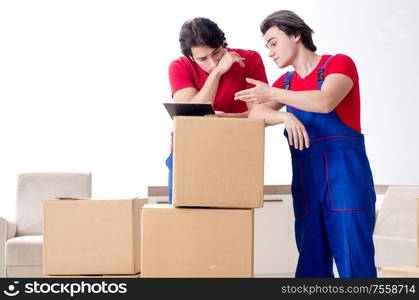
{"points": [[196, 242], [85, 236], [218, 162]]}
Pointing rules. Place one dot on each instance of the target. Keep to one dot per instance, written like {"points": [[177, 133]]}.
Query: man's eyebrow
{"points": [[269, 41], [212, 52]]}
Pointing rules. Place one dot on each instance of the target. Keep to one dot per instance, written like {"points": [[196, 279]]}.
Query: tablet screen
{"points": [[189, 109]]}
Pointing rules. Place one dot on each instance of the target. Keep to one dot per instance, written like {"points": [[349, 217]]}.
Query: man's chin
{"points": [[282, 65]]}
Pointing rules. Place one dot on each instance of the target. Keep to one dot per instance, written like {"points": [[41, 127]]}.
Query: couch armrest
{"points": [[7, 231]]}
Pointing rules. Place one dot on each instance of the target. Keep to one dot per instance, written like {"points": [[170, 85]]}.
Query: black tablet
{"points": [[189, 109]]}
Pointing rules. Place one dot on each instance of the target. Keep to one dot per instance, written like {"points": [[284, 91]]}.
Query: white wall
{"points": [[82, 82]]}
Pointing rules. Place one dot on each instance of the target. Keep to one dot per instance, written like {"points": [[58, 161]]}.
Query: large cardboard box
{"points": [[85, 236], [196, 242], [218, 162], [400, 271]]}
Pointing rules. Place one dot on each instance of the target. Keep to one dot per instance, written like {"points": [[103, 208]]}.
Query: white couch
{"points": [[395, 233], [21, 239]]}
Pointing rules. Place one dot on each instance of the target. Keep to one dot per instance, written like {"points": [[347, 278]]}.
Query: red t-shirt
{"points": [[349, 109], [184, 73]]}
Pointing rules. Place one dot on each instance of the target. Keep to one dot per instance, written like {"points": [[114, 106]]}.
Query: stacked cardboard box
{"points": [[88, 237], [217, 181], [405, 271], [218, 162]]}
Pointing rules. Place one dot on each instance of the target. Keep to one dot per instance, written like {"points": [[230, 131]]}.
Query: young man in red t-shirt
{"points": [[332, 185], [211, 72]]}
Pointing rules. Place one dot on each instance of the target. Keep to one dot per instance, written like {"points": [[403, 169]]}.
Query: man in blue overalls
{"points": [[332, 184]]}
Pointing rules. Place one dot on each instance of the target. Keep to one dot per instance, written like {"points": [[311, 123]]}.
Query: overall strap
{"points": [[320, 73], [287, 81]]}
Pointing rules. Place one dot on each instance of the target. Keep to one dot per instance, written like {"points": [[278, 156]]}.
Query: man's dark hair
{"points": [[291, 24], [200, 32]]}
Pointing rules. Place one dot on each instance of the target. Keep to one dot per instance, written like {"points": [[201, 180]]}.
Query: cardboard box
{"points": [[400, 271], [84, 236], [196, 242], [218, 162]]}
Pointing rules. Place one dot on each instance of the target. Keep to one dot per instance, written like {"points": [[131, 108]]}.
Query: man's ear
{"points": [[297, 38], [191, 58]]}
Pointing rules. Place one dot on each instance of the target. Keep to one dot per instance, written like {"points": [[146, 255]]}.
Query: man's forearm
{"points": [[271, 116], [312, 101], [209, 90], [235, 115]]}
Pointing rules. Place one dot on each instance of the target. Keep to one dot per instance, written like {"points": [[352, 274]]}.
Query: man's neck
{"points": [[305, 62]]}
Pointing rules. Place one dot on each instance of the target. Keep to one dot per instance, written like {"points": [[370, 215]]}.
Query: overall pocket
{"points": [[349, 180]]}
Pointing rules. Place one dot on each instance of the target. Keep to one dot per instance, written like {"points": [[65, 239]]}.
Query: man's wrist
{"points": [[216, 72], [272, 94], [282, 116]]}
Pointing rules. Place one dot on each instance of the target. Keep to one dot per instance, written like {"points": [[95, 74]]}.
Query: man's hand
{"points": [[261, 93], [297, 133], [228, 59]]}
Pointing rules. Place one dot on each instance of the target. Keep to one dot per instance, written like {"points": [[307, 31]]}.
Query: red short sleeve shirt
{"points": [[349, 109]]}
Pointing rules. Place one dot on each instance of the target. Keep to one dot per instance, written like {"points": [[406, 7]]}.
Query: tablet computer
{"points": [[189, 109]]}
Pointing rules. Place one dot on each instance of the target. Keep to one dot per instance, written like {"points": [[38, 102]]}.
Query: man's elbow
{"points": [[327, 107]]}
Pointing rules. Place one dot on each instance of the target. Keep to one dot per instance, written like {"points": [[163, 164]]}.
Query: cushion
{"points": [[24, 250]]}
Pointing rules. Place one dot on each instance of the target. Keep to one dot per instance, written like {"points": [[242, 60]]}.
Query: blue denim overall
{"points": [[333, 196]]}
